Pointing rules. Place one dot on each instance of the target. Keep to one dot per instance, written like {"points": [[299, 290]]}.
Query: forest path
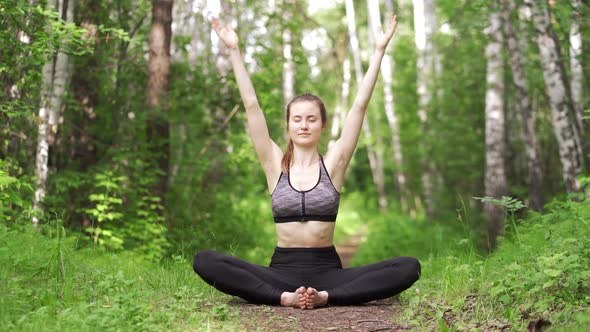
{"points": [[369, 317], [348, 248]]}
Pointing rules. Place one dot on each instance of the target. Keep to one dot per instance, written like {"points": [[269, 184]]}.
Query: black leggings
{"points": [[320, 268]]}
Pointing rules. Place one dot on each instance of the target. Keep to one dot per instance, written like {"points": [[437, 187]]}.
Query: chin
{"points": [[306, 143]]}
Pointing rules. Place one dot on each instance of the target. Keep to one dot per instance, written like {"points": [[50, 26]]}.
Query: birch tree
{"points": [[355, 50], [386, 73], [535, 173], [426, 62], [158, 76], [342, 105], [569, 138], [495, 174], [575, 61], [288, 63], [55, 77], [376, 170]]}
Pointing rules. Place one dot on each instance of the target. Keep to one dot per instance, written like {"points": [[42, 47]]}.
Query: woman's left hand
{"points": [[383, 38]]}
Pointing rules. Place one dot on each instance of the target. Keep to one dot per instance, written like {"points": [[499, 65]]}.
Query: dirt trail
{"points": [[370, 317], [348, 248]]}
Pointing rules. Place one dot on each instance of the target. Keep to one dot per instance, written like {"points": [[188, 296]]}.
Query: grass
{"points": [[48, 284], [48, 281], [540, 271]]}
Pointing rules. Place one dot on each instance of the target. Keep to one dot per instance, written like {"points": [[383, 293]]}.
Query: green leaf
{"points": [[552, 272]]}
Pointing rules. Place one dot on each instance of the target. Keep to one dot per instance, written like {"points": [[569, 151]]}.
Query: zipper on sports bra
{"points": [[302, 206]]}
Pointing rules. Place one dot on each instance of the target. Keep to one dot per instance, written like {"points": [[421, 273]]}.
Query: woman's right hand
{"points": [[227, 35]]}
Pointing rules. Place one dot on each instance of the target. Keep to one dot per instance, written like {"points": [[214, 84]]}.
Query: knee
{"points": [[413, 268], [203, 262]]}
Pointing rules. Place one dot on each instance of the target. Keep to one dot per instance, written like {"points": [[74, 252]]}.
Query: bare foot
{"points": [[315, 299], [295, 299]]}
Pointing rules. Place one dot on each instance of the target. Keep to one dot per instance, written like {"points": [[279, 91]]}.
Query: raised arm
{"points": [[341, 152], [267, 150]]}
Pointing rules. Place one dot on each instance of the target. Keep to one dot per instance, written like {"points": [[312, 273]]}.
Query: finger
{"points": [[393, 22], [215, 23]]}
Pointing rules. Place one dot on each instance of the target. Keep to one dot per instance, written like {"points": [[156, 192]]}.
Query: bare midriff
{"points": [[305, 234]]}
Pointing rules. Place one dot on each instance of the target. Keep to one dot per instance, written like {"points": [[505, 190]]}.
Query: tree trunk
{"points": [[576, 63], [424, 29], [535, 173], [562, 113], [288, 63], [216, 170], [340, 110], [374, 162], [386, 73], [373, 159], [158, 130], [495, 175], [55, 77]]}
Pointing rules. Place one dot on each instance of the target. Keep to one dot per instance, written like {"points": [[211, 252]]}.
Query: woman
{"points": [[305, 270]]}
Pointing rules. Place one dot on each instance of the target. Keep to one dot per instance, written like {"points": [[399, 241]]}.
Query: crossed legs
{"points": [[306, 287]]}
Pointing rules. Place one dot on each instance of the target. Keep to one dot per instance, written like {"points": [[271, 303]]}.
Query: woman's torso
{"points": [[314, 186]]}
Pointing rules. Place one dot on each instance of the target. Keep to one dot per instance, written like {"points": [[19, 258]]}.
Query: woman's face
{"points": [[305, 123]]}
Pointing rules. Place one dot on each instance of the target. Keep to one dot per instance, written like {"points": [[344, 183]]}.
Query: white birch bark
{"points": [[340, 110], [535, 173], [60, 78], [495, 174], [375, 153], [427, 67], [221, 53], [575, 62], [386, 73], [568, 137], [42, 154], [55, 77], [376, 171], [288, 63]]}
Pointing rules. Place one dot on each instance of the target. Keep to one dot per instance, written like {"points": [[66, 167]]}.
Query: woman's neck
{"points": [[305, 157]]}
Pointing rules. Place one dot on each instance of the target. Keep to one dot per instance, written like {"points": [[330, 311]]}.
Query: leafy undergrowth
{"points": [[48, 285], [51, 280], [540, 274]]}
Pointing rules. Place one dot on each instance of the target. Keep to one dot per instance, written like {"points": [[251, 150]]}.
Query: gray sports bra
{"points": [[319, 203]]}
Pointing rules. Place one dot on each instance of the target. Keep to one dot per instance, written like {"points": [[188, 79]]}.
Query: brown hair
{"points": [[288, 155]]}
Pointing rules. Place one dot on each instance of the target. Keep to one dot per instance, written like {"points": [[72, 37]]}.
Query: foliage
{"points": [[104, 179], [105, 209], [39, 34], [542, 274], [49, 283], [133, 215], [15, 192]]}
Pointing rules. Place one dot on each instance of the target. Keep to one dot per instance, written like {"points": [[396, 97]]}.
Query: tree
{"points": [[55, 78], [288, 64], [427, 67], [342, 105], [495, 174], [535, 173], [392, 119], [575, 62], [158, 130], [569, 137], [374, 160]]}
